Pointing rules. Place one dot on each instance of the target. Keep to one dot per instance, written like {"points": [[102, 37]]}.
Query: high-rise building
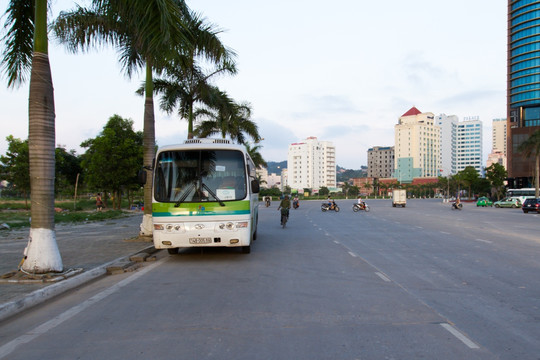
{"points": [[262, 174], [417, 146], [498, 152], [523, 97], [469, 144], [498, 133], [311, 164], [380, 162], [448, 126], [461, 144]]}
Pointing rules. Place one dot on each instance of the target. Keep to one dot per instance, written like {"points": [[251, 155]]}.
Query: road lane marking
{"points": [[444, 232], [382, 276], [452, 330], [8, 348], [484, 241], [352, 254]]}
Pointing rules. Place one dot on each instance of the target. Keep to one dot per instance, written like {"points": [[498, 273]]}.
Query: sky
{"points": [[343, 71]]}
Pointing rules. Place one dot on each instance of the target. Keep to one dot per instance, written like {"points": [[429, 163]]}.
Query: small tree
{"points": [[113, 157], [354, 191], [469, 176], [68, 165], [496, 174], [529, 147], [15, 166]]}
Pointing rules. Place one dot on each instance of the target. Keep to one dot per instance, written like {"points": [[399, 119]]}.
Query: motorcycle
{"points": [[295, 204], [363, 206], [267, 202], [326, 207], [457, 207]]}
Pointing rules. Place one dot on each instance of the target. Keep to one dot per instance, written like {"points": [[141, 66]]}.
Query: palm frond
{"points": [[17, 55]]}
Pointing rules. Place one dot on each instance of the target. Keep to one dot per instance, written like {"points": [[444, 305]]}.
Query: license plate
{"points": [[205, 240]]}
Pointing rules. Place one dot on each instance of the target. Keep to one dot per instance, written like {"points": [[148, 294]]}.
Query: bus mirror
{"points": [[255, 188], [141, 177]]}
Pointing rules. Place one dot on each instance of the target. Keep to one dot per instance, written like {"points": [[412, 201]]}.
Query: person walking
{"points": [[99, 202]]}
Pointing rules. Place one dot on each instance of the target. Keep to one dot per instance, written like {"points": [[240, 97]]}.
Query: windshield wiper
{"points": [[185, 195], [213, 194]]}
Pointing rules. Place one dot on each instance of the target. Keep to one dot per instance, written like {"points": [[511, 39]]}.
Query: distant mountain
{"points": [[343, 174], [276, 167]]}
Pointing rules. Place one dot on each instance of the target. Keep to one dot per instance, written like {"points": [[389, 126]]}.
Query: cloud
{"points": [[276, 139], [466, 98], [324, 106]]}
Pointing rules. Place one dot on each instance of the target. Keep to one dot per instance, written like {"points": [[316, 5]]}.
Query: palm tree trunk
{"points": [[190, 122], [149, 144], [42, 253], [537, 177]]}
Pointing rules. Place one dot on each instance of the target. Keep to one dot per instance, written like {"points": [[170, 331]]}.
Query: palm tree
{"points": [[368, 186], [187, 82], [27, 48], [529, 147], [385, 187], [227, 118], [146, 33], [254, 153]]}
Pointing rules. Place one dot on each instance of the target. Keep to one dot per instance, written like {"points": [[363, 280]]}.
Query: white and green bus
{"points": [[205, 194]]}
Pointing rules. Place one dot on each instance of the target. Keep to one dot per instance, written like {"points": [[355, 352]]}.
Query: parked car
{"points": [[531, 205], [508, 202], [484, 201]]}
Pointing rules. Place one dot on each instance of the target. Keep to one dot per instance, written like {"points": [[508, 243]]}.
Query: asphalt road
{"points": [[395, 283]]}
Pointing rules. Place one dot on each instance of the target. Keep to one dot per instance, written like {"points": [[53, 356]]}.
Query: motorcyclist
{"points": [[267, 200], [285, 205], [295, 201], [360, 202], [331, 203]]}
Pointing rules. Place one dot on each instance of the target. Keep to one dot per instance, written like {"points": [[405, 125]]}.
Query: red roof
{"points": [[412, 111]]}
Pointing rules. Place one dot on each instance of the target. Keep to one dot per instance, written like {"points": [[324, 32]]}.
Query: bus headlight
{"points": [[243, 224], [158, 227]]}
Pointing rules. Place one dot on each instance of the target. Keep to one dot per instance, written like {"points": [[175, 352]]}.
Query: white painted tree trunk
{"points": [[42, 254], [146, 225]]}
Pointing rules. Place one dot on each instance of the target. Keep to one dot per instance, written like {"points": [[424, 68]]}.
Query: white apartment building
{"points": [[461, 144], [448, 125], [274, 180], [469, 144], [311, 164], [380, 162], [262, 173], [499, 136], [498, 152], [417, 146]]}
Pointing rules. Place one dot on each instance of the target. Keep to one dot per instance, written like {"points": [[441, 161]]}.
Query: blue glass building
{"points": [[523, 92]]}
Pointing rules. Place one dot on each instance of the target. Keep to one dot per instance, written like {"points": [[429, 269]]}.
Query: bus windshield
{"points": [[200, 175]]}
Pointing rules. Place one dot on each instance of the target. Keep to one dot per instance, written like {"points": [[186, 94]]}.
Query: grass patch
{"points": [[18, 219]]}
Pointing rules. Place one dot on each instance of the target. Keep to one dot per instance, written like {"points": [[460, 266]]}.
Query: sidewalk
{"points": [[89, 247]]}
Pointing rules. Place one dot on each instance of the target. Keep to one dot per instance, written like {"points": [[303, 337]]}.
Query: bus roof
{"points": [[204, 143]]}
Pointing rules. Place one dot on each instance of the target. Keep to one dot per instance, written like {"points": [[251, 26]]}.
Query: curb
{"points": [[39, 296]]}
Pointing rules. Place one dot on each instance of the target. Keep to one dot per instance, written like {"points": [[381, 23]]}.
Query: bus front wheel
{"points": [[173, 251], [246, 249]]}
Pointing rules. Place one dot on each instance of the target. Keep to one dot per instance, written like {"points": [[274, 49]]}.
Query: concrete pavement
{"points": [[87, 249]]}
